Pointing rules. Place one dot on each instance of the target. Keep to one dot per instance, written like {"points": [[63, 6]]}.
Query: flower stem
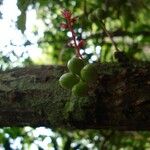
{"points": [[77, 49]]}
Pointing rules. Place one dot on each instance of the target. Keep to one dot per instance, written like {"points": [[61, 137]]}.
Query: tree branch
{"points": [[117, 33], [32, 96], [121, 33]]}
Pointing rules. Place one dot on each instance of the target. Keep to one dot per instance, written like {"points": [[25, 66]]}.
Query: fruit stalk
{"points": [[109, 35], [74, 39]]}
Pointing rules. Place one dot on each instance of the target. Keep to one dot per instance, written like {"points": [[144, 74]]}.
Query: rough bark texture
{"points": [[119, 99]]}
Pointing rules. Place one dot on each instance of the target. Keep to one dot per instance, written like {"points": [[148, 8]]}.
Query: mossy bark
{"points": [[119, 99]]}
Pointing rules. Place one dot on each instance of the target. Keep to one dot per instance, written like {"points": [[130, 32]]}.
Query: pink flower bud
{"points": [[64, 26]]}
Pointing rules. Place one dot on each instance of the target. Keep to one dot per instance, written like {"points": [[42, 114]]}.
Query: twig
{"points": [[109, 35]]}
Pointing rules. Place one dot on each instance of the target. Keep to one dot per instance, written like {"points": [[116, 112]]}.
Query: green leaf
{"points": [[43, 3], [23, 4], [67, 144], [21, 22]]}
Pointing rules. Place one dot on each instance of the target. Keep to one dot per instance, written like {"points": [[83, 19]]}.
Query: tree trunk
{"points": [[32, 96]]}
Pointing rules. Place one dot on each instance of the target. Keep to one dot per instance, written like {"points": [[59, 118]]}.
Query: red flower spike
{"points": [[70, 21], [73, 20], [64, 26], [66, 14], [81, 44]]}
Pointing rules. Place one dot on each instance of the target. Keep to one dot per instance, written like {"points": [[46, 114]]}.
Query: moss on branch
{"points": [[34, 97]]}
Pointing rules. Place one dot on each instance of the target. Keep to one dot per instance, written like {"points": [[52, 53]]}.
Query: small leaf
{"points": [[27, 43], [21, 22], [23, 4]]}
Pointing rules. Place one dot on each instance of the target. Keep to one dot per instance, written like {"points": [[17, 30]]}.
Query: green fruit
{"points": [[89, 73], [68, 80], [92, 17], [97, 14], [80, 89], [75, 65], [100, 14]]}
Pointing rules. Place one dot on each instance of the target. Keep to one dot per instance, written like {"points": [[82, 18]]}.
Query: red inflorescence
{"points": [[81, 44], [66, 14], [70, 21], [64, 25], [73, 20]]}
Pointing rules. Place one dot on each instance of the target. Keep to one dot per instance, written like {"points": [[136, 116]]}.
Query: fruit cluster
{"points": [[79, 77]]}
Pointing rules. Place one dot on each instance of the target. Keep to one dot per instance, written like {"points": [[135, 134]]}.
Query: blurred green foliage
{"points": [[128, 23], [74, 140]]}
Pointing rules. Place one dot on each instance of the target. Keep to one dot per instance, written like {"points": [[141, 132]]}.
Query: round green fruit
{"points": [[97, 14], [75, 65], [100, 13], [92, 17], [68, 80], [97, 11], [89, 73], [80, 89]]}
